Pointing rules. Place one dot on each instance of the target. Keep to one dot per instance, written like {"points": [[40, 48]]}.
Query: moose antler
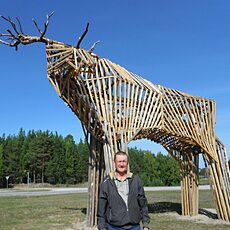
{"points": [[82, 36], [17, 36]]}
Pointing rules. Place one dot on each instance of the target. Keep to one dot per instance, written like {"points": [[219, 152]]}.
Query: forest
{"points": [[47, 157]]}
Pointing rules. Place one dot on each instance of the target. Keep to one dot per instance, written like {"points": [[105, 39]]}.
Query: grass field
{"points": [[66, 211]]}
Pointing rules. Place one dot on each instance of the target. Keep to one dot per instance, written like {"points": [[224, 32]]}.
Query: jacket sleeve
{"points": [[102, 206], [142, 200]]}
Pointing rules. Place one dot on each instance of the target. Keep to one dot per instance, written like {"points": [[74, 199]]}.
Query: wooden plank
{"points": [[115, 101], [129, 90], [106, 108], [134, 113], [119, 88], [138, 108], [101, 99], [147, 109], [131, 107], [124, 106]]}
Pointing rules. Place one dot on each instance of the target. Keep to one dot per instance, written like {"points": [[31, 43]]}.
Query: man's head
{"points": [[121, 161]]}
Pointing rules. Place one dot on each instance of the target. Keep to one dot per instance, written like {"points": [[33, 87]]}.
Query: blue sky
{"points": [[180, 44]]}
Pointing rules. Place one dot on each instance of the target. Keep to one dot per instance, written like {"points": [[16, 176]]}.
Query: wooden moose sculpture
{"points": [[116, 106]]}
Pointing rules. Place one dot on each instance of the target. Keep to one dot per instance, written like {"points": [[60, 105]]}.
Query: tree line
{"points": [[42, 156], [47, 157]]}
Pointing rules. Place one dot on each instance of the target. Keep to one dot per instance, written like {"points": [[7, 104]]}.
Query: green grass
{"points": [[63, 211], [42, 212]]}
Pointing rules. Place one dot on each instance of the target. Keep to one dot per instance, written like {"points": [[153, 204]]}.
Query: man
{"points": [[122, 202]]}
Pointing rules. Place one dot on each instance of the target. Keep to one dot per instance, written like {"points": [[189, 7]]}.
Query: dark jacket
{"points": [[112, 208]]}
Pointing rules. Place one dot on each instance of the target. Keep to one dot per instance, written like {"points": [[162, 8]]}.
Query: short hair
{"points": [[121, 153]]}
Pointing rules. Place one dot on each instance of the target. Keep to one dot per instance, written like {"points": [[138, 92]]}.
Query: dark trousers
{"points": [[131, 227]]}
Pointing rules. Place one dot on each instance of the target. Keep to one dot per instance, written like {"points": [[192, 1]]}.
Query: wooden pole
{"points": [[96, 171], [189, 184]]}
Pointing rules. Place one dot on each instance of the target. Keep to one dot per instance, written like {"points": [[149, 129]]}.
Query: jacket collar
{"points": [[112, 175]]}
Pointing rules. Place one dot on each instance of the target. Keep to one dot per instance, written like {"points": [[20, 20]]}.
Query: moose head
{"points": [[67, 66], [16, 36]]}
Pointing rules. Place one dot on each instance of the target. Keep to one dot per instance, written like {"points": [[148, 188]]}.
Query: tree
{"points": [[70, 151], [169, 170], [12, 158], [203, 172], [55, 170], [150, 173], [44, 149], [82, 161], [21, 140], [1, 165], [136, 160], [38, 154]]}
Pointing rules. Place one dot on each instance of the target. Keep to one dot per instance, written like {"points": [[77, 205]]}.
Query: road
{"points": [[58, 191]]}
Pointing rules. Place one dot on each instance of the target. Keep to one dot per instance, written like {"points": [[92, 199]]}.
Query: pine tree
{"points": [[1, 166]]}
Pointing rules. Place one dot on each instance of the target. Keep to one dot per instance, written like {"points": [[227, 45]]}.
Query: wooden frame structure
{"points": [[116, 106]]}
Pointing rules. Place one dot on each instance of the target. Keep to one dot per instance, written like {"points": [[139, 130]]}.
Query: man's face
{"points": [[121, 163]]}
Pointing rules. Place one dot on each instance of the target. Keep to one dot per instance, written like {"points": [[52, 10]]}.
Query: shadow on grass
{"points": [[83, 210], [162, 207], [208, 213]]}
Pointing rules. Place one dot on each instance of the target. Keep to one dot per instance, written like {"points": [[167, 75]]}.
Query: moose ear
{"points": [[16, 36], [93, 46]]}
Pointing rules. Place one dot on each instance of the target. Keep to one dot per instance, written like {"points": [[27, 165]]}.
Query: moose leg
{"points": [[220, 182], [95, 176], [189, 184]]}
